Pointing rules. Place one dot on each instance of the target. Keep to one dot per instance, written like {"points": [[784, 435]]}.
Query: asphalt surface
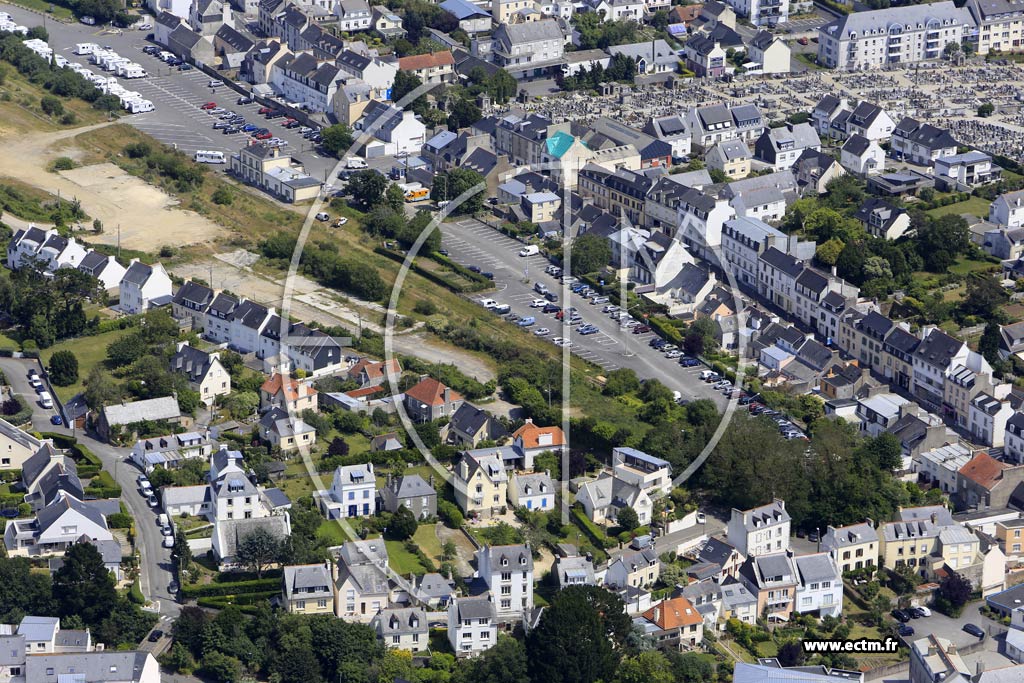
{"points": [[176, 95], [471, 242], [155, 560]]}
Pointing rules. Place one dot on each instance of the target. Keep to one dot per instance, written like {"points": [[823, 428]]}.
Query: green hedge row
{"points": [[599, 539], [104, 491], [475, 285], [80, 452], [211, 590], [665, 329], [214, 603], [243, 599], [62, 441]]}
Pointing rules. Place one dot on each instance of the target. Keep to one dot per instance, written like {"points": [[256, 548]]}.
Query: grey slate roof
{"points": [[397, 621], [93, 667], [938, 349], [879, 21], [816, 568], [475, 608], [533, 484], [306, 578], [410, 486], [856, 144]]}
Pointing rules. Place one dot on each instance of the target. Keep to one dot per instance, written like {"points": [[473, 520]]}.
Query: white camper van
{"points": [[210, 157]]}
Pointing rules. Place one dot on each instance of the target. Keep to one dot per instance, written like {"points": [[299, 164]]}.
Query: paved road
{"points": [[471, 242], [176, 95], [155, 559]]}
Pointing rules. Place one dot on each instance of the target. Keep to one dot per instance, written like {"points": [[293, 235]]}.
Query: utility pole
{"points": [[118, 240]]}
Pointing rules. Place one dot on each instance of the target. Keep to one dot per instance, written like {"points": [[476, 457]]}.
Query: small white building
{"points": [[352, 493], [144, 287], [508, 572], [1008, 209], [400, 131], [861, 156], [820, 587], [472, 625], [532, 491], [761, 530]]}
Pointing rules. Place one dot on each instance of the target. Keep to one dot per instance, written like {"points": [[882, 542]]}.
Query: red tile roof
{"points": [[364, 392], [673, 614], [427, 61], [983, 470], [531, 435], [431, 392], [292, 390]]}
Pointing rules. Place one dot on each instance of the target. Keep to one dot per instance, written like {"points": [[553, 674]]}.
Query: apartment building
{"points": [[852, 547], [761, 530], [743, 241], [1000, 25], [507, 570], [897, 35], [762, 12]]}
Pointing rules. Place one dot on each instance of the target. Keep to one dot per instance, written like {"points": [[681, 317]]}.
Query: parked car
{"points": [[923, 611], [541, 331], [550, 308], [974, 630], [902, 617], [245, 99], [155, 636], [208, 106], [905, 630], [56, 420], [538, 303], [641, 329]]}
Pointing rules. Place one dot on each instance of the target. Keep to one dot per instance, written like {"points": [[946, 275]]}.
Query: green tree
{"points": [[51, 106], [791, 653], [367, 188], [181, 553], [506, 662], [337, 139], [986, 110], [627, 518], [621, 381], [590, 253], [988, 345], [221, 668], [828, 252], [405, 82], [985, 297], [941, 241], [394, 199], [63, 368], [403, 524], [100, 389], [464, 113], [647, 667], [83, 585], [579, 637], [955, 590], [451, 184], [258, 550]]}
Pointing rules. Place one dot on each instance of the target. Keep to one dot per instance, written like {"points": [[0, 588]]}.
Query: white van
{"points": [[45, 400], [86, 48], [161, 519], [530, 250], [204, 156], [355, 162], [215, 83], [323, 216], [140, 107]]}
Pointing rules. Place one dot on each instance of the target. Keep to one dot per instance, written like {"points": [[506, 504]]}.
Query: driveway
{"points": [[155, 560]]}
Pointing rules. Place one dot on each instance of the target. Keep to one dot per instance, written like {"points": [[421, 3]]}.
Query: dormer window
{"points": [[504, 562]]}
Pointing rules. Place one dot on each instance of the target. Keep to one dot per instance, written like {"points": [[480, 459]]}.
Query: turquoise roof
{"points": [[559, 143]]}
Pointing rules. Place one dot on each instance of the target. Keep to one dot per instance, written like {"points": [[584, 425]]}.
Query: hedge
{"points": [[475, 285], [24, 413], [211, 590], [665, 329], [62, 441], [595, 535], [241, 599], [80, 452], [214, 603], [135, 593]]}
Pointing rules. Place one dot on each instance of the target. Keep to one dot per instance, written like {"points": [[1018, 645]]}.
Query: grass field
{"points": [[976, 206], [332, 532], [402, 561], [20, 111], [90, 351], [56, 11], [426, 538]]}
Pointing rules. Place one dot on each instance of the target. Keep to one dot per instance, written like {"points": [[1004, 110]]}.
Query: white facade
{"points": [[898, 35], [508, 572], [760, 531], [762, 12], [472, 626], [1008, 209], [143, 287], [820, 588], [354, 489]]}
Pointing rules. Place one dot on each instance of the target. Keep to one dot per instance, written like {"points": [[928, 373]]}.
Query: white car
{"points": [[168, 541], [557, 341], [541, 331], [538, 303], [167, 530], [488, 303], [924, 611]]}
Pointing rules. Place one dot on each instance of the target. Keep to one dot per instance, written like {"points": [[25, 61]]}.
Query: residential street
{"points": [[155, 560]]}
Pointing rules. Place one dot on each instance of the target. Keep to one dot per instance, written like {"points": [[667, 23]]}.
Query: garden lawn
{"points": [[402, 561], [426, 538], [976, 206], [90, 351], [331, 531]]}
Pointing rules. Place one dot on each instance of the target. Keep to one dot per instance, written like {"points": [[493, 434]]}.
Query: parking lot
{"points": [[473, 243], [176, 95]]}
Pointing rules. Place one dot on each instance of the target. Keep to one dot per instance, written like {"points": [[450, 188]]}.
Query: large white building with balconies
{"points": [[898, 35]]}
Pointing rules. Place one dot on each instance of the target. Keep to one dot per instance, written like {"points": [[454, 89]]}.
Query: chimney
{"points": [[447, 395], [657, 613]]}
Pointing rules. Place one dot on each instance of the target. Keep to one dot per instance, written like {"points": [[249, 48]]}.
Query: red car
{"points": [[640, 329], [264, 136], [208, 105], [803, 41], [265, 110], [288, 121]]}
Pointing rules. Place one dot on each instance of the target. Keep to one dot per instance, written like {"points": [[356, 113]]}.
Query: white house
{"points": [[770, 52], [652, 475], [144, 287], [246, 322], [56, 527], [402, 628], [820, 587], [352, 493], [508, 572], [353, 15], [862, 156], [472, 625], [532, 491], [104, 268], [1007, 209], [603, 498], [618, 10], [988, 415], [761, 530], [402, 132]]}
